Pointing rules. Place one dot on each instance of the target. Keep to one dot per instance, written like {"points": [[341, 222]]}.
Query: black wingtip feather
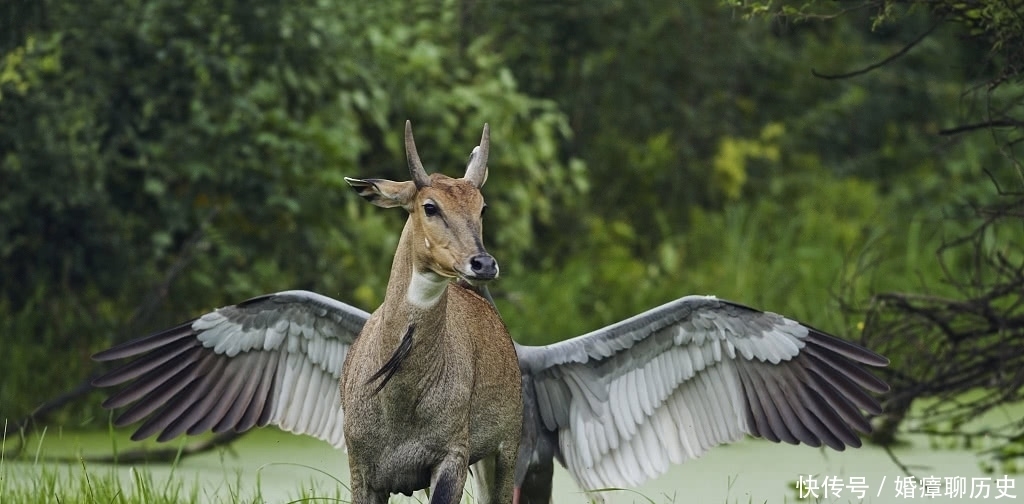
{"points": [[145, 344], [224, 394], [818, 397], [846, 349], [839, 402], [197, 401], [159, 396], [144, 367], [791, 414], [236, 412], [757, 406], [847, 388], [156, 387], [257, 411], [839, 434], [863, 378]]}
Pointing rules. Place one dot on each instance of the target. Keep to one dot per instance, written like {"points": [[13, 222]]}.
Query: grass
{"points": [[33, 478], [38, 481], [72, 484]]}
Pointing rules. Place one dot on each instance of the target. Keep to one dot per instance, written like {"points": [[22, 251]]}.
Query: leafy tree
{"points": [[957, 334], [687, 115], [161, 158]]}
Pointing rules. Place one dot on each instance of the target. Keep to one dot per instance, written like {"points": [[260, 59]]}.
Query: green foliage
{"points": [[795, 251], [186, 155], [161, 158], [729, 166]]}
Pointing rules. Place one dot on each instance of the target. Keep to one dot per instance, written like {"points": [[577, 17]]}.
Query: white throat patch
{"points": [[425, 289]]}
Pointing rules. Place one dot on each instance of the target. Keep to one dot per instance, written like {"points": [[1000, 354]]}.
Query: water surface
{"points": [[270, 464]]}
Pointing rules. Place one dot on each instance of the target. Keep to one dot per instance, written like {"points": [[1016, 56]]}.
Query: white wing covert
{"points": [[274, 359], [698, 372]]}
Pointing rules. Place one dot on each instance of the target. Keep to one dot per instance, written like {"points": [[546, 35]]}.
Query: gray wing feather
{"points": [[274, 359], [698, 372]]}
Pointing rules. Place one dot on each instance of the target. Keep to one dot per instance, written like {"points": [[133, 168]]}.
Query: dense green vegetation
{"points": [[161, 158]]}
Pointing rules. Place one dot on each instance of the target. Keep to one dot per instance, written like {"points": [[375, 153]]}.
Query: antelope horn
{"points": [[476, 172], [419, 175]]}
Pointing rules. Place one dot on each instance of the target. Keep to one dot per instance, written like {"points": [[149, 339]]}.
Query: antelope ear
{"points": [[384, 193], [476, 171]]}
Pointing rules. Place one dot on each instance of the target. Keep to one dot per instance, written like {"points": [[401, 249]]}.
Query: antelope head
{"points": [[445, 214]]}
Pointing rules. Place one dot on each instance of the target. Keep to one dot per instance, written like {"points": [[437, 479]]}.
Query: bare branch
{"points": [[967, 339], [997, 123], [880, 64]]}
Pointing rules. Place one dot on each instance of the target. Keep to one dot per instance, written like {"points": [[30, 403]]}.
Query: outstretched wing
{"points": [[274, 359], [666, 385]]}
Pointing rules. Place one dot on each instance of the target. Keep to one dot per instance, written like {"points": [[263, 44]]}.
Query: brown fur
{"points": [[454, 399]]}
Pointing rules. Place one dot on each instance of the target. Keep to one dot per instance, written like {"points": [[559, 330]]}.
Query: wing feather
{"points": [[309, 391], [668, 384], [274, 359], [668, 436], [190, 408], [235, 413], [712, 383], [545, 405], [683, 421], [299, 372], [791, 428], [651, 456], [701, 412], [844, 367], [142, 345], [144, 366], [231, 388], [151, 380], [318, 409], [265, 401], [633, 391], [838, 401], [163, 393]]}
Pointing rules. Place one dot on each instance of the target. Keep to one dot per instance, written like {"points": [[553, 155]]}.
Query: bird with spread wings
{"points": [[616, 406]]}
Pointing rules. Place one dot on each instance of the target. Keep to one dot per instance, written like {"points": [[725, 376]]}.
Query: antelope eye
{"points": [[483, 210], [430, 209]]}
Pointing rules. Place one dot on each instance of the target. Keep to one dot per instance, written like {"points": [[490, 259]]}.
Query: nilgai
{"points": [[430, 386], [615, 406]]}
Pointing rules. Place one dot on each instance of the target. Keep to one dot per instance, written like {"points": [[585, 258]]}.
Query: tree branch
{"points": [[996, 123], [882, 63]]}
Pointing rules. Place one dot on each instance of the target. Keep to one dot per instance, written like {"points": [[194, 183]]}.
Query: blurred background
{"points": [[853, 165]]}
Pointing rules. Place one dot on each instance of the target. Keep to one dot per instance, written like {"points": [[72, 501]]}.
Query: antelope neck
{"points": [[425, 289], [421, 289]]}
